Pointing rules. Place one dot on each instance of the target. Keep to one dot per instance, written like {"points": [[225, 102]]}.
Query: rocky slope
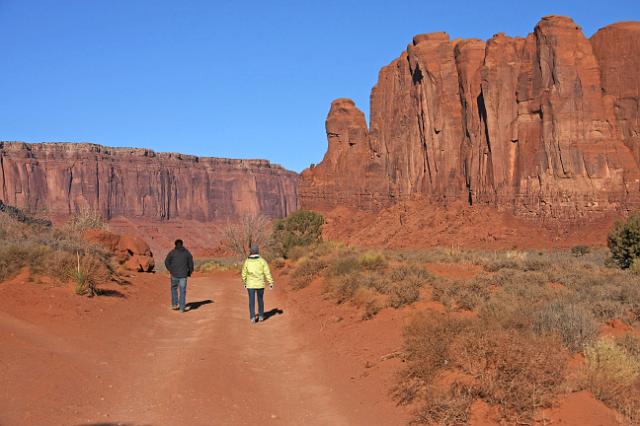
{"points": [[546, 126], [61, 178]]}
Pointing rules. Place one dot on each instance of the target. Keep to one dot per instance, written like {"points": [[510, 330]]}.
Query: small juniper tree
{"points": [[624, 241]]}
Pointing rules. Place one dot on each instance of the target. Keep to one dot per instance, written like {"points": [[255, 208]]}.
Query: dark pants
{"points": [[175, 299], [252, 302]]}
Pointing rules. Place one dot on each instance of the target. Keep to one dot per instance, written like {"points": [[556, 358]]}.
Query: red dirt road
{"points": [[68, 360]]}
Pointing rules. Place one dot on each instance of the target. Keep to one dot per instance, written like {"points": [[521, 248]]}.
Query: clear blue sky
{"points": [[243, 79]]}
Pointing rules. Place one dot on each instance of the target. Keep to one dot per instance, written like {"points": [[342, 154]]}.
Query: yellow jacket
{"points": [[255, 271]]}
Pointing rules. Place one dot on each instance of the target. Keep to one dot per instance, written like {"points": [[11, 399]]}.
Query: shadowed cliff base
{"points": [[419, 224]]}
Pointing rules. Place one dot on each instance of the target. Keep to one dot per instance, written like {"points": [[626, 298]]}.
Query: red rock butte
{"points": [[546, 126], [61, 178]]}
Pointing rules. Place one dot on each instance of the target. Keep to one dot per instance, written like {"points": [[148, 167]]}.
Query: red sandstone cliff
{"points": [[546, 125], [61, 178]]}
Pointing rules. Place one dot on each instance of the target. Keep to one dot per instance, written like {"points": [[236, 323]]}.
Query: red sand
{"points": [[70, 360]]}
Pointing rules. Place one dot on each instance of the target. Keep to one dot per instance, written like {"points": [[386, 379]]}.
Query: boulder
{"points": [[130, 252]]}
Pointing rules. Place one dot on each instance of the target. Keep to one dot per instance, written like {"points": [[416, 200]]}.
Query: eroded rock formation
{"points": [[62, 178], [544, 125], [130, 253]]}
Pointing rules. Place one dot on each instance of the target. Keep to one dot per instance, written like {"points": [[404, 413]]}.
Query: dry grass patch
{"points": [[518, 372]]}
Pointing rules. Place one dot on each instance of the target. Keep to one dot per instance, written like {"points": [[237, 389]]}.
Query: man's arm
{"points": [[190, 264], [168, 260]]}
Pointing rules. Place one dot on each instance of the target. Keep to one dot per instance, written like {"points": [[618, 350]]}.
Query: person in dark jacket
{"points": [[179, 263]]}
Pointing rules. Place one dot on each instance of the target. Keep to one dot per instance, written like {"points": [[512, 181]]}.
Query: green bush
{"points": [[302, 228], [624, 241]]}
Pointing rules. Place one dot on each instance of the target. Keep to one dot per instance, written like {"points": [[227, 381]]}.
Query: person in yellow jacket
{"points": [[255, 272]]}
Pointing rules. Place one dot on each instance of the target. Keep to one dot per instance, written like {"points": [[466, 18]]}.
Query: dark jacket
{"points": [[179, 262]]}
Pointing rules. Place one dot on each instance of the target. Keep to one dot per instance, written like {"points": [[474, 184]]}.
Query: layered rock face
{"points": [[62, 178], [542, 124]]}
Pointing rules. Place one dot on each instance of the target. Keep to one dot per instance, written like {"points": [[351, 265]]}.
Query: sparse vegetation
{"points": [[46, 251], [87, 274], [508, 330], [517, 372], [209, 265], [84, 220], [300, 229], [613, 374], [252, 229]]}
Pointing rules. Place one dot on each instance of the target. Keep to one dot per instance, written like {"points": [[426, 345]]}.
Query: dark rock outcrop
{"points": [[542, 125]]}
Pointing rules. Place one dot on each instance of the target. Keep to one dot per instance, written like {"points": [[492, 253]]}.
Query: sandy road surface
{"points": [[133, 361]]}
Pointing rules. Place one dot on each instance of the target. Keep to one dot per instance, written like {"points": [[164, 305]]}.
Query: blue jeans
{"points": [[175, 283], [252, 302]]}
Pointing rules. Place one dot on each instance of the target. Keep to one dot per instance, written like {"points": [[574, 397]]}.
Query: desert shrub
{"points": [[451, 406], [87, 274], [631, 344], [84, 220], [635, 267], [33, 243], [343, 287], [345, 265], [607, 309], [612, 372], [209, 265], [426, 348], [580, 250], [624, 241], [301, 228], [12, 259], [573, 323], [306, 271], [516, 371], [369, 300], [404, 293], [499, 264], [505, 310], [240, 236], [463, 295], [372, 260]]}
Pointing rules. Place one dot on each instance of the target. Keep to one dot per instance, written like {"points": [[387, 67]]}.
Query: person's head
{"points": [[179, 243], [254, 249]]}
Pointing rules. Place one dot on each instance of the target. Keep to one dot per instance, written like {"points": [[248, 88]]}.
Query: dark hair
{"points": [[179, 243]]}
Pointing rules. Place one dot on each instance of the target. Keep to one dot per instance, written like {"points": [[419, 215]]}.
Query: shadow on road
{"points": [[191, 306], [110, 293], [273, 312]]}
